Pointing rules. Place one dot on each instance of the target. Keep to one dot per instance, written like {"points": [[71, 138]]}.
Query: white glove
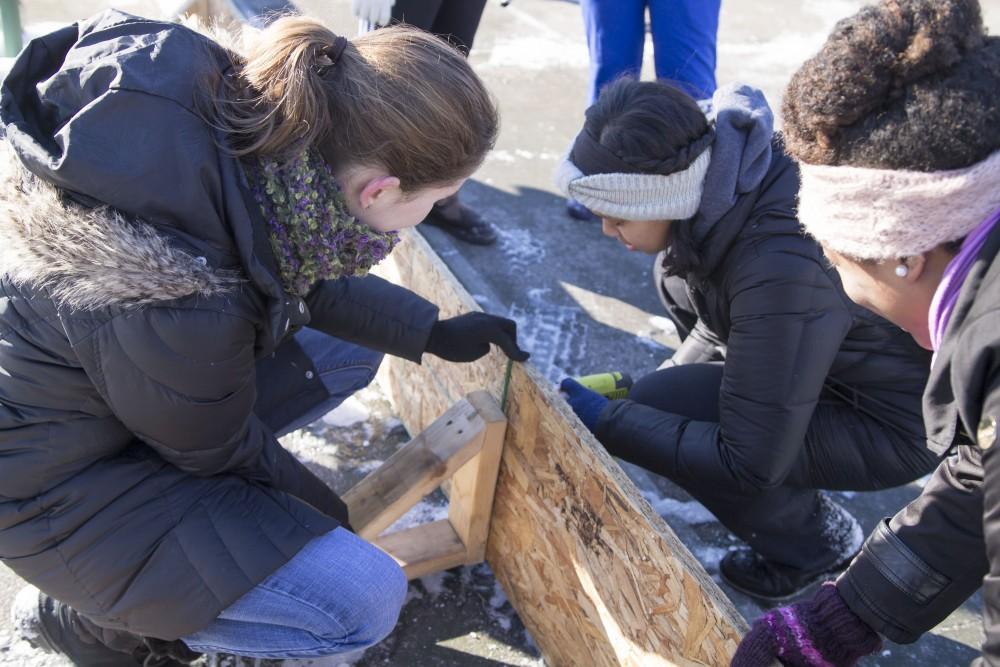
{"points": [[375, 12]]}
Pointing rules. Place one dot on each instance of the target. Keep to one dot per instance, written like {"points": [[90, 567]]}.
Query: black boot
{"points": [[53, 627], [460, 221], [749, 572]]}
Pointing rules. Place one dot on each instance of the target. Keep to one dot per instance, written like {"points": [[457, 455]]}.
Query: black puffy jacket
{"points": [[920, 565], [143, 344], [792, 337]]}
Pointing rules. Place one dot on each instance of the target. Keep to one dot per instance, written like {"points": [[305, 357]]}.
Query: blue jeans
{"points": [[339, 593], [343, 367], [684, 38]]}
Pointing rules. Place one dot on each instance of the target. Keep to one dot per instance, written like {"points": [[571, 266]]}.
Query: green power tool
{"points": [[613, 386]]}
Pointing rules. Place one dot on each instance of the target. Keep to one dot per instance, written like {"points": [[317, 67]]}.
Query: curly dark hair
{"points": [[905, 84]]}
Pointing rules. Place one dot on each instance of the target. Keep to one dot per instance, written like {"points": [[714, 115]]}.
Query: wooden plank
{"points": [[596, 575], [416, 469], [424, 549], [473, 487]]}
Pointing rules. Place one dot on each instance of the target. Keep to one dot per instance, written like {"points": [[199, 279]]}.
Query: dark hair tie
{"points": [[332, 54]]}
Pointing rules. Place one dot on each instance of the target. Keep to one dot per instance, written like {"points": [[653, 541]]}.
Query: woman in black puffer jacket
{"points": [[183, 239], [782, 386]]}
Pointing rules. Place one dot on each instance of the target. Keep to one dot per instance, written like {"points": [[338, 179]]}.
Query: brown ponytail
{"points": [[397, 98]]}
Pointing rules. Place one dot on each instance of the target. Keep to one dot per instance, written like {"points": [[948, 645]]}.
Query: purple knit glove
{"points": [[822, 632]]}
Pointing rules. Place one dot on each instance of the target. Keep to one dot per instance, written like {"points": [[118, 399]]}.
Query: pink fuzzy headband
{"points": [[880, 214]]}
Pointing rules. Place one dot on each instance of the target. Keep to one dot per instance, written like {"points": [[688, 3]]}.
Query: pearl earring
{"points": [[902, 270]]}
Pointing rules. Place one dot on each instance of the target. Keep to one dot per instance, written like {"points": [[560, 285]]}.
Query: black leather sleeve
{"points": [[919, 566]]}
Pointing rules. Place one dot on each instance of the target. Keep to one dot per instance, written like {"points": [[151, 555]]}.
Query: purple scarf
{"points": [[954, 276]]}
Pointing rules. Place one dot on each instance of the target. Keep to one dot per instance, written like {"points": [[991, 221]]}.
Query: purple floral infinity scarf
{"points": [[313, 235]]}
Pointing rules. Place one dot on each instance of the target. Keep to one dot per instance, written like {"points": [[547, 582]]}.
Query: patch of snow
{"points": [[497, 603], [368, 466], [533, 52], [520, 154], [348, 413], [421, 513], [413, 593], [840, 528], [555, 335], [520, 248], [499, 597], [434, 583], [664, 324], [709, 556], [691, 512]]}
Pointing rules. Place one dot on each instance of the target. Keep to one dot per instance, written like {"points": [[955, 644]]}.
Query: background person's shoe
{"points": [[749, 572], [578, 211], [460, 221]]}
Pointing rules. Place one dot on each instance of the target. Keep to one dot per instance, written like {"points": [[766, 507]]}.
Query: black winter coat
{"points": [[919, 566], [792, 337], [143, 344]]}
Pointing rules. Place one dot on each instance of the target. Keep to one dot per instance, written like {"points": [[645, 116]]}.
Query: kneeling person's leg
{"points": [[343, 368], [338, 594]]}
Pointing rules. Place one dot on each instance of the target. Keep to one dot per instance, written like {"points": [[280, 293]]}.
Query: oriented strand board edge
{"points": [[595, 573]]}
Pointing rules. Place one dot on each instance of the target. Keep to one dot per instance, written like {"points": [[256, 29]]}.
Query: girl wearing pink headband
{"points": [[897, 125]]}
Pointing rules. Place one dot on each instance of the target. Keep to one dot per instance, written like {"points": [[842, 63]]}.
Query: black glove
{"points": [[468, 337]]}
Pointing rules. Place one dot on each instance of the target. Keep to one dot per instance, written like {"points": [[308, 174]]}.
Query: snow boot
{"points": [[748, 572], [460, 221], [50, 626]]}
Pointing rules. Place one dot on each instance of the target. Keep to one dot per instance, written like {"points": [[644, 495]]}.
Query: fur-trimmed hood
{"points": [[91, 257], [115, 190]]}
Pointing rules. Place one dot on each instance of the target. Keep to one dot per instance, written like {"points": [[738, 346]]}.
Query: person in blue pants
{"points": [[684, 37]]}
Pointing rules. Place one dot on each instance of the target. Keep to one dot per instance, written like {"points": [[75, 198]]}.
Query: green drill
{"points": [[613, 386]]}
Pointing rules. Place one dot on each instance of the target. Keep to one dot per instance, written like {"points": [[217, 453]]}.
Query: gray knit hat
{"points": [[611, 187]]}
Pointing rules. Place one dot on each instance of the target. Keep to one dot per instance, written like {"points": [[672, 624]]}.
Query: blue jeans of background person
{"points": [[339, 593], [684, 38]]}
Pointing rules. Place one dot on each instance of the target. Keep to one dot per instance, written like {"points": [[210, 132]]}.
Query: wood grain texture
{"points": [[425, 549], [417, 468], [596, 575], [472, 488]]}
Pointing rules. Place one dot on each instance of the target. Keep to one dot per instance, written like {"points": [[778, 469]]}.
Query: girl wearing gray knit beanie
{"points": [[896, 123], [782, 385]]}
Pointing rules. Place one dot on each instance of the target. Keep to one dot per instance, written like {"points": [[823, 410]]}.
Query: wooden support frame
{"points": [[463, 445], [595, 574]]}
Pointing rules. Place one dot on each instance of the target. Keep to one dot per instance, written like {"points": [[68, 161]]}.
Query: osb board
{"points": [[596, 575]]}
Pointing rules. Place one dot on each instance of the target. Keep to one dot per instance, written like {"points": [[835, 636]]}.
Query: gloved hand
{"points": [[468, 337], [586, 403], [375, 12], [818, 632]]}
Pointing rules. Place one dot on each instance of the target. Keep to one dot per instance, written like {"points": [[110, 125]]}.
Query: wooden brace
{"points": [[464, 446]]}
